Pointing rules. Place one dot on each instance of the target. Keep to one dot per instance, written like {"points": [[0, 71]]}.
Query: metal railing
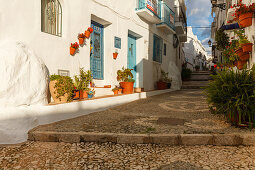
{"points": [[167, 16], [151, 5]]}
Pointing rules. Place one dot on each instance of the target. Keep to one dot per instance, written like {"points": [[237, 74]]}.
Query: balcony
{"points": [[180, 25], [149, 10], [167, 19]]}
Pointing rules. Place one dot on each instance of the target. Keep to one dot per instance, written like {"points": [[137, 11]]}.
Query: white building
{"points": [[141, 31], [221, 17], [195, 52]]}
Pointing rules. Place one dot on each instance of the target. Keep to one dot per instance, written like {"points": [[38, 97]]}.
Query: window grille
{"points": [[157, 48], [51, 17]]}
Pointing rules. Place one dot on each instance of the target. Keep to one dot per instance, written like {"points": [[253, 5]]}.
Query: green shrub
{"points": [[186, 73], [63, 85], [232, 93]]}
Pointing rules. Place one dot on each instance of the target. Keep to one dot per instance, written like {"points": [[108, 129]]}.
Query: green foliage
{"points": [[243, 39], [230, 53], [197, 67], [164, 77], [125, 75], [82, 81], [222, 40], [186, 73], [63, 85], [232, 93]]}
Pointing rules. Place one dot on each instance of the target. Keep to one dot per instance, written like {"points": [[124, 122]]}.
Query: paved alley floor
{"points": [[36, 155], [179, 112]]}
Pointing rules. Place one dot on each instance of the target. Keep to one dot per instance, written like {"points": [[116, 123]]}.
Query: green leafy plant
{"points": [[232, 93], [229, 53], [222, 40], [125, 75], [64, 85], [243, 39], [164, 77], [197, 67], [81, 82]]}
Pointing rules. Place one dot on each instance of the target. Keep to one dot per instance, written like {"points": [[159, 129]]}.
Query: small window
{"points": [[164, 49], [157, 48], [51, 17]]}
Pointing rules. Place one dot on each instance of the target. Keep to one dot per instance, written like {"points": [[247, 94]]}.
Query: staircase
{"points": [[197, 80]]}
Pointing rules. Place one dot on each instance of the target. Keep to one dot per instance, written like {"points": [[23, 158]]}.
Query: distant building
{"points": [[195, 52]]}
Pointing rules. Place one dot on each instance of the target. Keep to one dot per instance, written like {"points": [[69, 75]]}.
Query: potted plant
{"points": [[197, 67], [88, 32], [243, 41], [77, 88], [81, 38], [125, 77], [61, 88], [73, 48], [115, 90], [82, 82], [115, 55], [231, 53], [243, 13], [164, 81]]}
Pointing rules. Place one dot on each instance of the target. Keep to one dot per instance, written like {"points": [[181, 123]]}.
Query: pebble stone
{"points": [[39, 155]]}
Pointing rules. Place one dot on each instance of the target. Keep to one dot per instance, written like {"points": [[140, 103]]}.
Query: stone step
{"points": [[194, 84]]}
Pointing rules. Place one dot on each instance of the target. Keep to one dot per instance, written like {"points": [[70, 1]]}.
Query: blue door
{"points": [[97, 55], [131, 62]]}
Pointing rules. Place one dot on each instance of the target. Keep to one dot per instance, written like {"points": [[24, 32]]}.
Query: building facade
{"points": [[147, 34], [195, 52], [224, 17]]}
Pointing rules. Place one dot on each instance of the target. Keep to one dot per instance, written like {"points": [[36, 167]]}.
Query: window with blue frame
{"points": [[157, 48]]}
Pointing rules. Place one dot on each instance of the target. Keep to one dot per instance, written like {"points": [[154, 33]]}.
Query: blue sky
{"points": [[199, 14]]}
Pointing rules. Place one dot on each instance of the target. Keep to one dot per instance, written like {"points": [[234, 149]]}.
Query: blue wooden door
{"points": [[131, 61], [97, 54]]}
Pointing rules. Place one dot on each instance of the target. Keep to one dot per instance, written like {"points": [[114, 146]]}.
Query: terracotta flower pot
{"points": [[245, 19], [76, 94], [161, 85], [72, 51], [83, 94], [87, 34], [115, 55], [115, 92], [128, 87], [81, 41], [245, 57], [54, 93], [239, 52], [247, 47], [120, 91], [240, 64]]}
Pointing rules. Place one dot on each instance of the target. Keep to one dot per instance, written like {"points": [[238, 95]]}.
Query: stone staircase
{"points": [[197, 80]]}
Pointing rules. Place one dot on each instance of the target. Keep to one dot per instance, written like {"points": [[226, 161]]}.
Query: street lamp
{"points": [[221, 6]]}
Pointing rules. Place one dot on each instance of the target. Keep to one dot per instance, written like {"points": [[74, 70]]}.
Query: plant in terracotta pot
{"points": [[115, 90], [82, 82], [88, 32], [164, 81], [125, 77], [243, 40], [243, 14], [61, 88], [81, 38], [77, 88], [73, 48], [230, 54]]}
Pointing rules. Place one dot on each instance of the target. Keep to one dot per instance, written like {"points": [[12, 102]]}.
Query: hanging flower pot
{"points": [[115, 55], [247, 47], [87, 34], [240, 64], [239, 52], [90, 29], [81, 41], [245, 19], [245, 57], [72, 51]]}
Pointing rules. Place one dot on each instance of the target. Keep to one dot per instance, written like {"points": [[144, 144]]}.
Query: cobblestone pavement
{"points": [[179, 112], [36, 155]]}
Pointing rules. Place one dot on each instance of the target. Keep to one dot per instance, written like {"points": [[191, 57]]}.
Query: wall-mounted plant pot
{"points": [[245, 57], [239, 52], [72, 51], [87, 34], [247, 47], [127, 87], [115, 55], [245, 20], [81, 41], [240, 64]]}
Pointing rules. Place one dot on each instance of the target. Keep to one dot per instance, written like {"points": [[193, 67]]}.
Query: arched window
{"points": [[51, 20]]}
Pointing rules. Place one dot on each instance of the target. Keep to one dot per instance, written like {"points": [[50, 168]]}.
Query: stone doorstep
{"points": [[167, 139]]}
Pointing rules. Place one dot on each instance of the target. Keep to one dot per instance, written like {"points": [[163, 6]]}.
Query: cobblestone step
{"points": [[168, 139]]}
